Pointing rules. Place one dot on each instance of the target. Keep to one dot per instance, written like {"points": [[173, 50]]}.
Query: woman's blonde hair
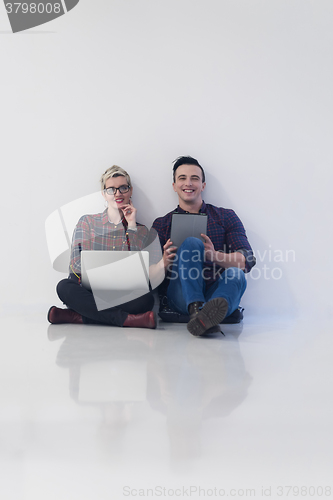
{"points": [[114, 171]]}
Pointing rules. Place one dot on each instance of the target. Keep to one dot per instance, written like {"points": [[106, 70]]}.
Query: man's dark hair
{"points": [[186, 160]]}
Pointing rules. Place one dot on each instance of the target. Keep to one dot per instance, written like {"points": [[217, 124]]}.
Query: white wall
{"points": [[242, 85]]}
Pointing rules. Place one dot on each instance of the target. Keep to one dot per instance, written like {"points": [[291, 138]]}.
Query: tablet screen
{"points": [[185, 225]]}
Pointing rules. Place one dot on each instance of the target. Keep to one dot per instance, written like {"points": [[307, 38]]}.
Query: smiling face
{"points": [[188, 185], [118, 200]]}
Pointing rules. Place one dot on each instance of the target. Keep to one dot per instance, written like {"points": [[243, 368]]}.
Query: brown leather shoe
{"points": [[212, 313], [57, 316], [145, 320]]}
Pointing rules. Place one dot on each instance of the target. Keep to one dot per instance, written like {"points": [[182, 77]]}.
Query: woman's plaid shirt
{"points": [[96, 232]]}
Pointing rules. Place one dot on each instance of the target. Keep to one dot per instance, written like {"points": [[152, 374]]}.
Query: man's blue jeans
{"points": [[187, 283]]}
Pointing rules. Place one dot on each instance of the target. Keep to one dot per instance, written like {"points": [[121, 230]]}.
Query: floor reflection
{"points": [[188, 380], [193, 381]]}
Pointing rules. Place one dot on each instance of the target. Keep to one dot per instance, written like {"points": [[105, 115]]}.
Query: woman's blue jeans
{"points": [[187, 283]]}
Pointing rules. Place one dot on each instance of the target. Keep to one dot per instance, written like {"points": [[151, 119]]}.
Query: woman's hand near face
{"points": [[129, 212]]}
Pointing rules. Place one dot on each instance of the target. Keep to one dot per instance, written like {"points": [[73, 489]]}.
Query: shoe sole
{"points": [[210, 315]]}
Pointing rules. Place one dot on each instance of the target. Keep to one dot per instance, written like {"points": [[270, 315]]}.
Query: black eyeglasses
{"points": [[122, 189]]}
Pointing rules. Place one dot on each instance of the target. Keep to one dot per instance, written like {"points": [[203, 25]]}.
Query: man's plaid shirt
{"points": [[224, 228], [96, 232]]}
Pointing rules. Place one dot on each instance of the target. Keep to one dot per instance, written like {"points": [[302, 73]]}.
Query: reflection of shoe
{"points": [[212, 313], [57, 316], [213, 329], [145, 320], [55, 333]]}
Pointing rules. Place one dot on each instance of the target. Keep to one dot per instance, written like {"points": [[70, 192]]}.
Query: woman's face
{"points": [[117, 200]]}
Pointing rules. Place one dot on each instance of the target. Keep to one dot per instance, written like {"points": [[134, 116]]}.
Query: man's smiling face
{"points": [[188, 183]]}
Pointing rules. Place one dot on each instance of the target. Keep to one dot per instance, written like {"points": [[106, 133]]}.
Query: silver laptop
{"points": [[115, 277], [185, 225]]}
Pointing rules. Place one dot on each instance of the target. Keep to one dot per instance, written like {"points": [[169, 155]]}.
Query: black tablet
{"points": [[185, 225]]}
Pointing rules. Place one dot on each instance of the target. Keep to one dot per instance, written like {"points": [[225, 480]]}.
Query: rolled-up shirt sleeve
{"points": [[137, 237], [250, 259]]}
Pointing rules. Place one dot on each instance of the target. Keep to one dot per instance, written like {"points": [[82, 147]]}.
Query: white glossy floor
{"points": [[107, 413]]}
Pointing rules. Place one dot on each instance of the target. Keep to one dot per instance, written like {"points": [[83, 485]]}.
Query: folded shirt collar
{"points": [[201, 211]]}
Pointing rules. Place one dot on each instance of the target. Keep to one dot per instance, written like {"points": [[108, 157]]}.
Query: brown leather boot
{"points": [[57, 316], [212, 313], [194, 308], [145, 320]]}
